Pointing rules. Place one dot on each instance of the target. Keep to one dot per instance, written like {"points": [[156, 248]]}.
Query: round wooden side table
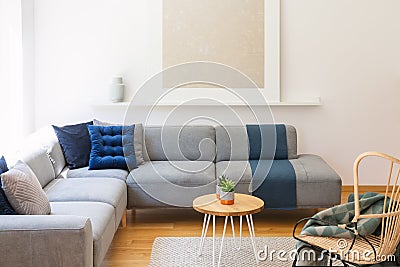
{"points": [[245, 205]]}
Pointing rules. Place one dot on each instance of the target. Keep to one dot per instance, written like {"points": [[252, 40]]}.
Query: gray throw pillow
{"points": [[24, 191], [137, 136]]}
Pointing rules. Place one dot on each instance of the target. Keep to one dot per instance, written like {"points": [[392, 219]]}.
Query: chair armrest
{"points": [[46, 240]]}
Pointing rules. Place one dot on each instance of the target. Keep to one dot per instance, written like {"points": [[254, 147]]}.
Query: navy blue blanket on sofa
{"points": [[274, 179]]}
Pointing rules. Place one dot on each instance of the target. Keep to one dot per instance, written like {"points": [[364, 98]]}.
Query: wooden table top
{"points": [[244, 205]]}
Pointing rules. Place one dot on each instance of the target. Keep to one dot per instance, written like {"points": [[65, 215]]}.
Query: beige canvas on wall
{"points": [[230, 32]]}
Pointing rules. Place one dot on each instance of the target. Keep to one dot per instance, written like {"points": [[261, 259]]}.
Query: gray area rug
{"points": [[183, 251]]}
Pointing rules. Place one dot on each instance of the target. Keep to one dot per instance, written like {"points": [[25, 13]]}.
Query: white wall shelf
{"points": [[315, 102]]}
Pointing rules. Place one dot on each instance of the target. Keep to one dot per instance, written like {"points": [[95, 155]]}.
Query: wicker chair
{"points": [[380, 248]]}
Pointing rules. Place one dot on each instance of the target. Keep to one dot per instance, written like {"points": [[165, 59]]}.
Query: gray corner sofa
{"points": [[180, 164]]}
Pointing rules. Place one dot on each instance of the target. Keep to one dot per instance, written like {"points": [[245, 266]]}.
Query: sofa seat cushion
{"points": [[184, 173], [239, 171], [102, 218], [106, 173], [105, 190], [265, 179], [174, 183], [316, 184], [81, 189]]}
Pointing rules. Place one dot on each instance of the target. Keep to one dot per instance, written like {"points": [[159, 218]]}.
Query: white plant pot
{"points": [[227, 198]]}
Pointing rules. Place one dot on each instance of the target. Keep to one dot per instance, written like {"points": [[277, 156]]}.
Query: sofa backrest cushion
{"points": [[191, 142], [36, 157], [232, 143], [47, 138], [246, 142], [43, 154]]}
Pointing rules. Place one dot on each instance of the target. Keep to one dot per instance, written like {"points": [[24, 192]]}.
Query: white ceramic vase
{"points": [[117, 90]]}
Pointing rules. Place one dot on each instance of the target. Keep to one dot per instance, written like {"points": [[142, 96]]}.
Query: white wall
{"points": [[79, 47], [346, 52], [11, 72], [28, 62]]}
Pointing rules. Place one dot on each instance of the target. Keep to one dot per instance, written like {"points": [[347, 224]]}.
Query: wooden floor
{"points": [[132, 245]]}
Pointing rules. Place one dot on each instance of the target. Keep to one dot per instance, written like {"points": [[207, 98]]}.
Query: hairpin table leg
{"points": [[233, 232], [252, 234], [222, 241], [213, 254], [204, 230]]}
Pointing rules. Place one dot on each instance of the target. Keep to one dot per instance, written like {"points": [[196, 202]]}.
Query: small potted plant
{"points": [[227, 196], [218, 188]]}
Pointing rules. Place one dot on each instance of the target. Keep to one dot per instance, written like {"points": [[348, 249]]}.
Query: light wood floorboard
{"points": [[132, 245]]}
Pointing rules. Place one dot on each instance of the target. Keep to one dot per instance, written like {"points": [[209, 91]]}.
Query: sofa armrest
{"points": [[46, 240], [318, 185]]}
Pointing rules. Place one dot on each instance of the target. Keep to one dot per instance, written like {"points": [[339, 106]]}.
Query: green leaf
{"points": [[227, 185]]}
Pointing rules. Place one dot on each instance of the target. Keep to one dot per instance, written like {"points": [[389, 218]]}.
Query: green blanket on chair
{"points": [[370, 203]]}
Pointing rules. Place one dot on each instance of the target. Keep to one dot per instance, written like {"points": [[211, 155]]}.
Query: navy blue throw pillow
{"points": [[5, 207], [3, 165], [112, 147], [75, 143]]}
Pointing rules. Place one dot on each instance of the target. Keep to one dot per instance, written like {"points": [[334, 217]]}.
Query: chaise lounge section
{"points": [[283, 179]]}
